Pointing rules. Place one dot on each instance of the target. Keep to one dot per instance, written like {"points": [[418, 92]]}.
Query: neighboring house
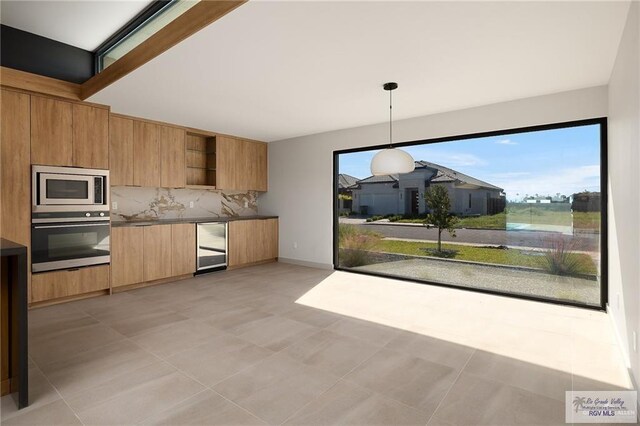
{"points": [[404, 193], [345, 197], [586, 202]]}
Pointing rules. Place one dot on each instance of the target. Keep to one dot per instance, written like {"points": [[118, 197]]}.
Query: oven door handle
{"points": [[74, 225]]}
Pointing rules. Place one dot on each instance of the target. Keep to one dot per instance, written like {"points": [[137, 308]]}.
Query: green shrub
{"points": [[561, 257], [355, 245]]}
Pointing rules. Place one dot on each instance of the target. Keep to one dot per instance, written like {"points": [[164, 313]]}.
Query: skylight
{"points": [[136, 33]]}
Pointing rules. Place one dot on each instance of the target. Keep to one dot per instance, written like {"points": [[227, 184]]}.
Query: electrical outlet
{"points": [[295, 245], [114, 205], [190, 204], [635, 342]]}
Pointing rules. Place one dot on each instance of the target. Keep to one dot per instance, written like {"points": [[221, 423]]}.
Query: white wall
{"points": [[624, 189], [301, 169]]}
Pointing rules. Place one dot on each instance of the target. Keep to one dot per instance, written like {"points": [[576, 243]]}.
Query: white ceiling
{"points": [[274, 70], [85, 24]]}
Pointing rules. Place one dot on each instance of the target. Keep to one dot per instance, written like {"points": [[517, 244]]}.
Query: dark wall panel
{"points": [[39, 55]]}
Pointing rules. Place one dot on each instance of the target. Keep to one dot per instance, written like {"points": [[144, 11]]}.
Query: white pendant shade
{"points": [[391, 161]]}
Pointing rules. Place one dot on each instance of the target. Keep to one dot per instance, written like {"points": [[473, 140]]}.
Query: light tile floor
{"points": [[287, 344]]}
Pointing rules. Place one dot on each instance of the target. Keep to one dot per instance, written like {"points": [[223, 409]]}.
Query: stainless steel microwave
{"points": [[64, 189]]}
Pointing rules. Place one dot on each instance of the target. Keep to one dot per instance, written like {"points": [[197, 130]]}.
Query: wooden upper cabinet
{"points": [[183, 247], [157, 252], [228, 150], [127, 257], [241, 164], [146, 154], [257, 155], [69, 134], [90, 137], [172, 157], [51, 132], [121, 151]]}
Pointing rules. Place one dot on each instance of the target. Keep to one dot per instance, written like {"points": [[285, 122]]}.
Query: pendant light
{"points": [[391, 161]]}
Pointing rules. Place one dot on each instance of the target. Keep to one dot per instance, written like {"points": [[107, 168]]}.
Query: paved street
{"points": [[539, 239]]}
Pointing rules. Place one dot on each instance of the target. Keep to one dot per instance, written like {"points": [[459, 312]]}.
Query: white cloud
{"points": [[506, 142], [447, 159]]}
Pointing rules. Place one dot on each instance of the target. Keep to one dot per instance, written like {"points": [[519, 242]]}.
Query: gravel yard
{"points": [[505, 279]]}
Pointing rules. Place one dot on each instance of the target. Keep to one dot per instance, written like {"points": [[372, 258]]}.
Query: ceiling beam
{"points": [[22, 80], [190, 22]]}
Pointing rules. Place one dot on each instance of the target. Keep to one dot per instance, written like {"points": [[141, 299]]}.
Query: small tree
{"points": [[437, 198]]}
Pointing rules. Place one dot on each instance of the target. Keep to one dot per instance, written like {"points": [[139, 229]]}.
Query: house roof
{"points": [[345, 181], [445, 174], [380, 179]]}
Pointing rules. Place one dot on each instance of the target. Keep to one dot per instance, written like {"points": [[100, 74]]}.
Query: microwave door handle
{"points": [[70, 225]]}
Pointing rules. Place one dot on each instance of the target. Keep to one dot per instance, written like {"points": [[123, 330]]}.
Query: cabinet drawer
{"points": [[53, 285]]}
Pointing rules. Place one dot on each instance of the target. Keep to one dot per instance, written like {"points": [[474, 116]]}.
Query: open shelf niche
{"points": [[201, 160]]}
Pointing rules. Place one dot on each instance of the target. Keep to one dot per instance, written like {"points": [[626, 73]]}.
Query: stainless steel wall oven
{"points": [[70, 224]]}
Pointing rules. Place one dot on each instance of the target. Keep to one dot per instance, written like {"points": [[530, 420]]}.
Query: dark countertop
{"points": [[11, 248], [119, 223]]}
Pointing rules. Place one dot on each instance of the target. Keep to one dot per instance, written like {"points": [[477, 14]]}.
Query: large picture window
{"points": [[520, 212]]}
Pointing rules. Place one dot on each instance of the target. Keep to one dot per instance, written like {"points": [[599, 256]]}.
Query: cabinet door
{"points": [[256, 164], [120, 151], [126, 256], [183, 256], [15, 176], [241, 165], [51, 132], [252, 241], [15, 194], [240, 247], [230, 165], [146, 154], [54, 285], [172, 157], [90, 137], [157, 252], [268, 239]]}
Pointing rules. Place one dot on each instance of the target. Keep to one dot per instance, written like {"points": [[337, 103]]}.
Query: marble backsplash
{"points": [[136, 203]]}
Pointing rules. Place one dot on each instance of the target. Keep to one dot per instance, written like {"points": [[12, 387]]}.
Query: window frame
{"points": [[152, 10], [604, 237]]}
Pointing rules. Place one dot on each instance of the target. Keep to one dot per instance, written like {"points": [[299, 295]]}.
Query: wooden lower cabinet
{"points": [[157, 252], [183, 249], [126, 256], [252, 241], [148, 253], [54, 285]]}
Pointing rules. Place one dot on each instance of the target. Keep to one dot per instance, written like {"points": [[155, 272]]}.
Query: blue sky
{"points": [[544, 162]]}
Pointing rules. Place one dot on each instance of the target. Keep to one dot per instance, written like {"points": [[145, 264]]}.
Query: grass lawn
{"points": [[511, 257]]}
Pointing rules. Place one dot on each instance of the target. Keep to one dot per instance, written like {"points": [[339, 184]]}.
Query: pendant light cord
{"points": [[390, 119]]}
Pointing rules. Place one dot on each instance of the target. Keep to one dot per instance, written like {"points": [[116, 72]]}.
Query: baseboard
{"points": [[128, 287], [316, 265], [66, 299]]}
